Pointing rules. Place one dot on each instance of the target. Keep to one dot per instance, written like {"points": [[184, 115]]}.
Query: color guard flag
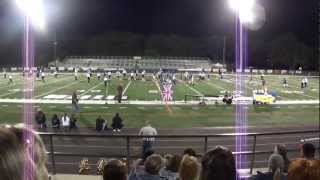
{"points": [[167, 92]]}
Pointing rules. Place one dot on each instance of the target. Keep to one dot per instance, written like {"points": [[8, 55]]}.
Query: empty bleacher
{"points": [[148, 63]]}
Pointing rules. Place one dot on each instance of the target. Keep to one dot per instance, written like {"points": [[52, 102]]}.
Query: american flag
{"points": [[167, 92]]}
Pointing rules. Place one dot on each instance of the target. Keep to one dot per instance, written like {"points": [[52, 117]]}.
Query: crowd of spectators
{"points": [[281, 168], [218, 163]]}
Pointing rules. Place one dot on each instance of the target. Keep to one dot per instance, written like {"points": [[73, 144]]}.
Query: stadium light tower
{"points": [[244, 14], [33, 10], [244, 9], [33, 13]]}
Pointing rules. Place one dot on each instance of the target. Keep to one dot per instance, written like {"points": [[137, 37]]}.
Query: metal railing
{"points": [[128, 138]]}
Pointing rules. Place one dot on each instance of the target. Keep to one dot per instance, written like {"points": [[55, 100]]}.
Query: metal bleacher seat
{"points": [[146, 62]]}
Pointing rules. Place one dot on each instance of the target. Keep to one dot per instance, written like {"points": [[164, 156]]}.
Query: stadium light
{"points": [[244, 9], [33, 9]]}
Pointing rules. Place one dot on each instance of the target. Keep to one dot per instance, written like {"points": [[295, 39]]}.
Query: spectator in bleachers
{"points": [[275, 165], [115, 170], [152, 165], [190, 152], [172, 164], [302, 169], [100, 123], [100, 166], [41, 119], [282, 150], [55, 121], [138, 165], [117, 123], [84, 166], [65, 119], [147, 142], [189, 168], [14, 154], [308, 151], [218, 164]]}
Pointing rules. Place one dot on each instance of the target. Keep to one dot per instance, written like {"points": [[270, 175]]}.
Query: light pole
{"points": [[55, 45], [243, 14], [33, 14]]}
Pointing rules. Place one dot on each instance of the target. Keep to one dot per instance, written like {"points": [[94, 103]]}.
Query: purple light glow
{"points": [[240, 113], [28, 61]]}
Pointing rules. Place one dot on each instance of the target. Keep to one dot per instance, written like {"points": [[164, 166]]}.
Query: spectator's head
{"points": [[190, 152], [189, 168], [173, 163], [14, 149], [153, 164], [167, 158], [115, 170], [218, 164], [148, 153], [117, 114], [304, 169], [147, 123], [275, 162], [282, 150], [308, 150]]}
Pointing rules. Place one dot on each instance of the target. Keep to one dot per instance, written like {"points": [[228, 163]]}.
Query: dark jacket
{"points": [[40, 117], [117, 122], [99, 124], [55, 121]]}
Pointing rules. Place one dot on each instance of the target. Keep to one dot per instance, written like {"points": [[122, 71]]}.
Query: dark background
{"points": [[288, 39]]}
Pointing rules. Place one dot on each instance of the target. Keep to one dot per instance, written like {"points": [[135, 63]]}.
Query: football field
{"points": [[56, 93]]}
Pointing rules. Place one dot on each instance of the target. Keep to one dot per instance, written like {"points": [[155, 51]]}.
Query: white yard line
{"points": [[86, 92], [126, 88], [157, 84], [54, 90], [50, 101], [194, 90], [43, 84]]}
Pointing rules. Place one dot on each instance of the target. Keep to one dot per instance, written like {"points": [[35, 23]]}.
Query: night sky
{"points": [[184, 17]]}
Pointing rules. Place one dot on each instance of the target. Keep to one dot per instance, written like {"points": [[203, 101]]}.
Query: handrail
{"points": [[174, 135], [131, 136]]}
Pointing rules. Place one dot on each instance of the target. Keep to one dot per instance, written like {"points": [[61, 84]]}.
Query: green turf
{"points": [[161, 116], [180, 116]]}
